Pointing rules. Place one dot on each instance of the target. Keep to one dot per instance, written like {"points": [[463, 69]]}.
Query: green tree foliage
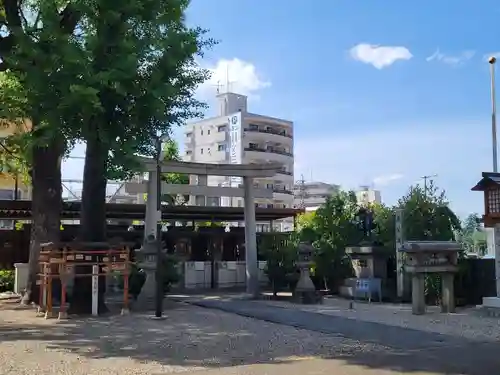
{"points": [[137, 79], [334, 226], [331, 228], [426, 215], [471, 236], [138, 74], [36, 60], [171, 153], [280, 251]]}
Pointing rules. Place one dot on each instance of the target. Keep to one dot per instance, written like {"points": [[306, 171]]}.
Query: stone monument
{"points": [[425, 257], [305, 292], [368, 260]]}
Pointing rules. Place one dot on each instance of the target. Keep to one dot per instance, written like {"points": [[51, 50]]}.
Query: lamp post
{"points": [[159, 248], [492, 60]]}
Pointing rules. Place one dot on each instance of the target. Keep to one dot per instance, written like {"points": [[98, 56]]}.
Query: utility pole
{"points": [[301, 184], [492, 60], [425, 178]]}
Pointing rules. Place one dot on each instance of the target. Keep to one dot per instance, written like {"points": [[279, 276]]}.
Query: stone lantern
{"points": [[305, 291], [490, 186], [147, 261]]}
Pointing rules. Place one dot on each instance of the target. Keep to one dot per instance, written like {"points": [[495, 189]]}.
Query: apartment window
{"points": [[6, 194], [213, 201], [189, 135], [269, 205], [201, 132], [208, 131], [201, 151], [221, 147], [252, 145], [209, 151], [221, 128], [254, 127], [189, 152]]}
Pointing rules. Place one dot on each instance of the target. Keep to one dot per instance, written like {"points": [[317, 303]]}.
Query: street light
{"points": [[492, 60]]}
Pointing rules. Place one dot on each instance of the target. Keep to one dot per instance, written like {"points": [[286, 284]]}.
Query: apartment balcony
{"points": [[268, 135], [268, 154], [284, 195], [282, 191]]}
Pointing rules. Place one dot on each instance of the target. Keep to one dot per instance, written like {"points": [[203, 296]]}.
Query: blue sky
{"points": [[380, 92]]}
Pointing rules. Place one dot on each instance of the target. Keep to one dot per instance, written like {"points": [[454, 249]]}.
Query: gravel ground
{"points": [[189, 340], [466, 322]]}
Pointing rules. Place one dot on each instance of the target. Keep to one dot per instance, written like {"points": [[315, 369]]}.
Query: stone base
{"points": [[491, 306], [308, 297]]}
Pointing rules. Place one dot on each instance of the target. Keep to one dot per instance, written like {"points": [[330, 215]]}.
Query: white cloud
{"points": [[234, 75], [454, 60], [379, 56], [387, 179], [412, 151]]}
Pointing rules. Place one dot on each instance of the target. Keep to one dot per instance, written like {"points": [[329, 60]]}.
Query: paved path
{"points": [[190, 340], [409, 350], [209, 341]]}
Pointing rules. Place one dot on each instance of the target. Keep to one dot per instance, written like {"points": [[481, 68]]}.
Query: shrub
{"points": [[281, 268], [7, 280]]}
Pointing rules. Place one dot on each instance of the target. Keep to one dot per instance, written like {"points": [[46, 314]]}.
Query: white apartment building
{"points": [[365, 195], [237, 136], [311, 195]]}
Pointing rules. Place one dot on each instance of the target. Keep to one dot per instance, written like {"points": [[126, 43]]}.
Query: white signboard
{"points": [[235, 146], [95, 290]]}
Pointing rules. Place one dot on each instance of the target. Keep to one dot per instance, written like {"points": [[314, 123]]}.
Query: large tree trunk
{"points": [[92, 222], [46, 208]]}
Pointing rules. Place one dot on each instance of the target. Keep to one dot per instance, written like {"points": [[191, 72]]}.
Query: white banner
{"points": [[235, 144]]}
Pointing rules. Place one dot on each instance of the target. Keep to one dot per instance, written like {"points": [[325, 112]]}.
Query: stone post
{"points": [[418, 294], [496, 245], [151, 207], [448, 293], [252, 267], [399, 256]]}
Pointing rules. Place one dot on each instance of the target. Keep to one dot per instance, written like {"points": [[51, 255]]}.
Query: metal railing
{"points": [[258, 149], [269, 131]]}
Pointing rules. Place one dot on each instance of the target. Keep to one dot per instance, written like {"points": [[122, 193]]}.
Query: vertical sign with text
{"points": [[235, 144]]}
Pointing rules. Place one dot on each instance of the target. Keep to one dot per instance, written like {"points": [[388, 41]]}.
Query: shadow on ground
{"points": [[192, 336]]}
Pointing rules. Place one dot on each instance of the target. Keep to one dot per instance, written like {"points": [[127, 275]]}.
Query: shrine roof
{"points": [[71, 210], [489, 180]]}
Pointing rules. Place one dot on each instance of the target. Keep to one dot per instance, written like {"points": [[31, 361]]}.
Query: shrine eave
{"points": [[489, 180], [71, 210]]}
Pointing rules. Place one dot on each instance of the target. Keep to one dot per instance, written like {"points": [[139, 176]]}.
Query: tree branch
{"points": [[6, 44], [12, 14], [70, 17]]}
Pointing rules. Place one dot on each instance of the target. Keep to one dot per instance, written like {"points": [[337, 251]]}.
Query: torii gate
{"points": [[247, 171]]}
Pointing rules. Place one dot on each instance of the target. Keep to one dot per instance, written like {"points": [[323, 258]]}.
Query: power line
{"points": [[302, 194], [425, 178]]}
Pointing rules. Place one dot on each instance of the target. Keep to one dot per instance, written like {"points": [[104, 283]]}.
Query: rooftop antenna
{"points": [[228, 82]]}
